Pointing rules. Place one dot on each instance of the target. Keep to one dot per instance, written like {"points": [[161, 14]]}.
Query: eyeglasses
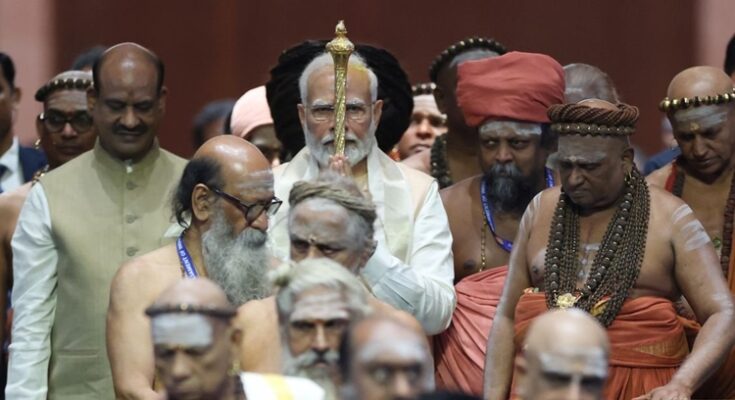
{"points": [[55, 121], [251, 211], [353, 112]]}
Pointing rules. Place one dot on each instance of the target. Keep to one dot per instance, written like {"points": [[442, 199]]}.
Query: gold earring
{"points": [[234, 369]]}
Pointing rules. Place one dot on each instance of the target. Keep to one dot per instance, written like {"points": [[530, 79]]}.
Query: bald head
{"points": [[131, 58], [381, 332], [234, 155], [383, 344], [699, 81], [564, 356], [228, 164], [584, 81], [194, 340], [200, 292], [560, 330], [704, 129]]}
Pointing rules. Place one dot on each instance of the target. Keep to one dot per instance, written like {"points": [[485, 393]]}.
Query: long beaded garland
{"points": [[460, 47], [439, 162], [677, 189], [617, 263]]}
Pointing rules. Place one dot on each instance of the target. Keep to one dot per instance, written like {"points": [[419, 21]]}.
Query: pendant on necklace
{"points": [[717, 242], [566, 300]]}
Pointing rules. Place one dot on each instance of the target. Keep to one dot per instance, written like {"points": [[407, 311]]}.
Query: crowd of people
{"points": [[487, 234]]}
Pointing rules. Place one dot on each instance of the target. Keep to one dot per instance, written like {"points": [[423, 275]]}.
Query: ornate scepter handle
{"points": [[340, 48]]}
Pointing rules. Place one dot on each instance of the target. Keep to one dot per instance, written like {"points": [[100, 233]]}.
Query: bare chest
{"points": [[656, 272], [708, 204], [476, 246]]}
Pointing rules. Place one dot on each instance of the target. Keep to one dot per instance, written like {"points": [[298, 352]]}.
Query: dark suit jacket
{"points": [[31, 160]]}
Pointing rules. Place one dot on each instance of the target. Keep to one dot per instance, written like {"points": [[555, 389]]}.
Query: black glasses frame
{"points": [[251, 212], [73, 121]]}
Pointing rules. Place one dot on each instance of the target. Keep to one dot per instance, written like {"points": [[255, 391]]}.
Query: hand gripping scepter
{"points": [[340, 48]]}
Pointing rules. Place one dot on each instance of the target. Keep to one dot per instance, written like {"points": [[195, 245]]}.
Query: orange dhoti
{"points": [[647, 343], [460, 350]]}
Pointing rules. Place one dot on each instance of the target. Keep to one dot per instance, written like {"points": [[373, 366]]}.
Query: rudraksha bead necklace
{"points": [[616, 265]]}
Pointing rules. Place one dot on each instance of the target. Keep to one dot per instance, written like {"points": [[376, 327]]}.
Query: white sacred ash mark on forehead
{"points": [[703, 117], [178, 329], [329, 304]]}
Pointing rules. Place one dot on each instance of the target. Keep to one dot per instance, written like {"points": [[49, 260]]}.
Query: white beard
{"points": [[237, 263], [300, 366], [355, 149]]}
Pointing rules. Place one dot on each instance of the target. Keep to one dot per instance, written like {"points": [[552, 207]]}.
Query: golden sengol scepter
{"points": [[340, 48]]}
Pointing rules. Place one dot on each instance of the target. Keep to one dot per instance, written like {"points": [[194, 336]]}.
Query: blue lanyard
{"points": [[505, 244], [185, 258]]}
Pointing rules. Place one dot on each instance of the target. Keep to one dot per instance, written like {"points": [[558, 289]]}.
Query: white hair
{"points": [[325, 59], [292, 280], [357, 235], [236, 261]]}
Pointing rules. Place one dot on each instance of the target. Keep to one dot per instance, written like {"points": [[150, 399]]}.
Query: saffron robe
{"points": [[647, 343], [459, 352]]}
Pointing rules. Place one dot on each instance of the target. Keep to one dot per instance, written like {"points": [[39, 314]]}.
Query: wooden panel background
{"points": [[215, 49]]}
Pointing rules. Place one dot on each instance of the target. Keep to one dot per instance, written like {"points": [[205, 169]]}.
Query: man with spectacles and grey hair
{"points": [[226, 191], [411, 266]]}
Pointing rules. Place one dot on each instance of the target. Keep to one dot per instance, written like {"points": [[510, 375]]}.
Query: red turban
{"points": [[516, 86]]}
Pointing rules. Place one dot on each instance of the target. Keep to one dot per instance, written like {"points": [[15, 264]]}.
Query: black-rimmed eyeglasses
{"points": [[55, 121], [353, 112], [251, 211]]}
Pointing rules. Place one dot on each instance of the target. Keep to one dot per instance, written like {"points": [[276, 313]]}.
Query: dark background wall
{"points": [[217, 49]]}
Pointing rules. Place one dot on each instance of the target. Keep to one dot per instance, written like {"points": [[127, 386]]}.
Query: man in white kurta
{"points": [[79, 223], [411, 268]]}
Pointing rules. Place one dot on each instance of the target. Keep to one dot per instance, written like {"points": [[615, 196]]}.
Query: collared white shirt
{"points": [[13, 176]]}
